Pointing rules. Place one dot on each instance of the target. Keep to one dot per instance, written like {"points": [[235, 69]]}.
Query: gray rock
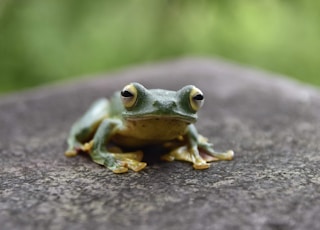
{"points": [[272, 124]]}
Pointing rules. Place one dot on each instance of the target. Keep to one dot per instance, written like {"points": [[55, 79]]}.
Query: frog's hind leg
{"points": [[209, 154], [83, 129]]}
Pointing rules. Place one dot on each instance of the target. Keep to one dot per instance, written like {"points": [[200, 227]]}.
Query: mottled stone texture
{"points": [[272, 124]]}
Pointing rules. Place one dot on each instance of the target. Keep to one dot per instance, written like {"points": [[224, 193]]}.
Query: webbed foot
{"points": [[184, 153], [200, 154], [216, 156], [74, 150], [121, 162], [209, 154]]}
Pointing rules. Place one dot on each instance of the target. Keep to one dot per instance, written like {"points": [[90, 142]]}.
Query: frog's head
{"points": [[141, 103]]}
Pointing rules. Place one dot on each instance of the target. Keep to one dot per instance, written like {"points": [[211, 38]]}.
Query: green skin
{"points": [[157, 117]]}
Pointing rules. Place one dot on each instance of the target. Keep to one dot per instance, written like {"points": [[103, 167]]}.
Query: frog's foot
{"points": [[121, 162], [209, 154], [73, 151], [216, 156], [184, 153]]}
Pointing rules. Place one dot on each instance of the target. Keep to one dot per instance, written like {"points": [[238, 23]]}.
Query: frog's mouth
{"points": [[145, 117]]}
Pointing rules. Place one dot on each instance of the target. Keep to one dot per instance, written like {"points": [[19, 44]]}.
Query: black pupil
{"points": [[198, 97], [126, 93]]}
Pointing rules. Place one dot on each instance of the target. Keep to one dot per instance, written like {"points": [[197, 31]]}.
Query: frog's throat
{"points": [[141, 132]]}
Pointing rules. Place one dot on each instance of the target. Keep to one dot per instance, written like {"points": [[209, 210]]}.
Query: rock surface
{"points": [[272, 124]]}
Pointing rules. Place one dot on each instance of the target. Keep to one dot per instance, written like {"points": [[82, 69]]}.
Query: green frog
{"points": [[114, 131]]}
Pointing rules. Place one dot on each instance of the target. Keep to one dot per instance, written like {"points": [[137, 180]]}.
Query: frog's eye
{"points": [[196, 99], [129, 95]]}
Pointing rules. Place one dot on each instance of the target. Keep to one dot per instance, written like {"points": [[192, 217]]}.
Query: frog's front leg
{"points": [[198, 151], [84, 128], [117, 162]]}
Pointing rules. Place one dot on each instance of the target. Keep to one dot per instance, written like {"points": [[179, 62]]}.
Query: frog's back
{"points": [[100, 110]]}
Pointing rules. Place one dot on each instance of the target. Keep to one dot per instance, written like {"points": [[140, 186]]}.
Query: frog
{"points": [[115, 131]]}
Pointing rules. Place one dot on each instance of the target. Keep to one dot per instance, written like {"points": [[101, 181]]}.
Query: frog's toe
{"points": [[229, 155], [226, 156], [119, 170], [117, 166], [136, 165], [71, 153], [201, 165], [207, 157], [123, 165]]}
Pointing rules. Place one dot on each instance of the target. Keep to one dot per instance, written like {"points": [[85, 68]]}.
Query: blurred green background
{"points": [[42, 41]]}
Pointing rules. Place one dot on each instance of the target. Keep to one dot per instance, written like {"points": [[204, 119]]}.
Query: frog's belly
{"points": [[152, 131]]}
